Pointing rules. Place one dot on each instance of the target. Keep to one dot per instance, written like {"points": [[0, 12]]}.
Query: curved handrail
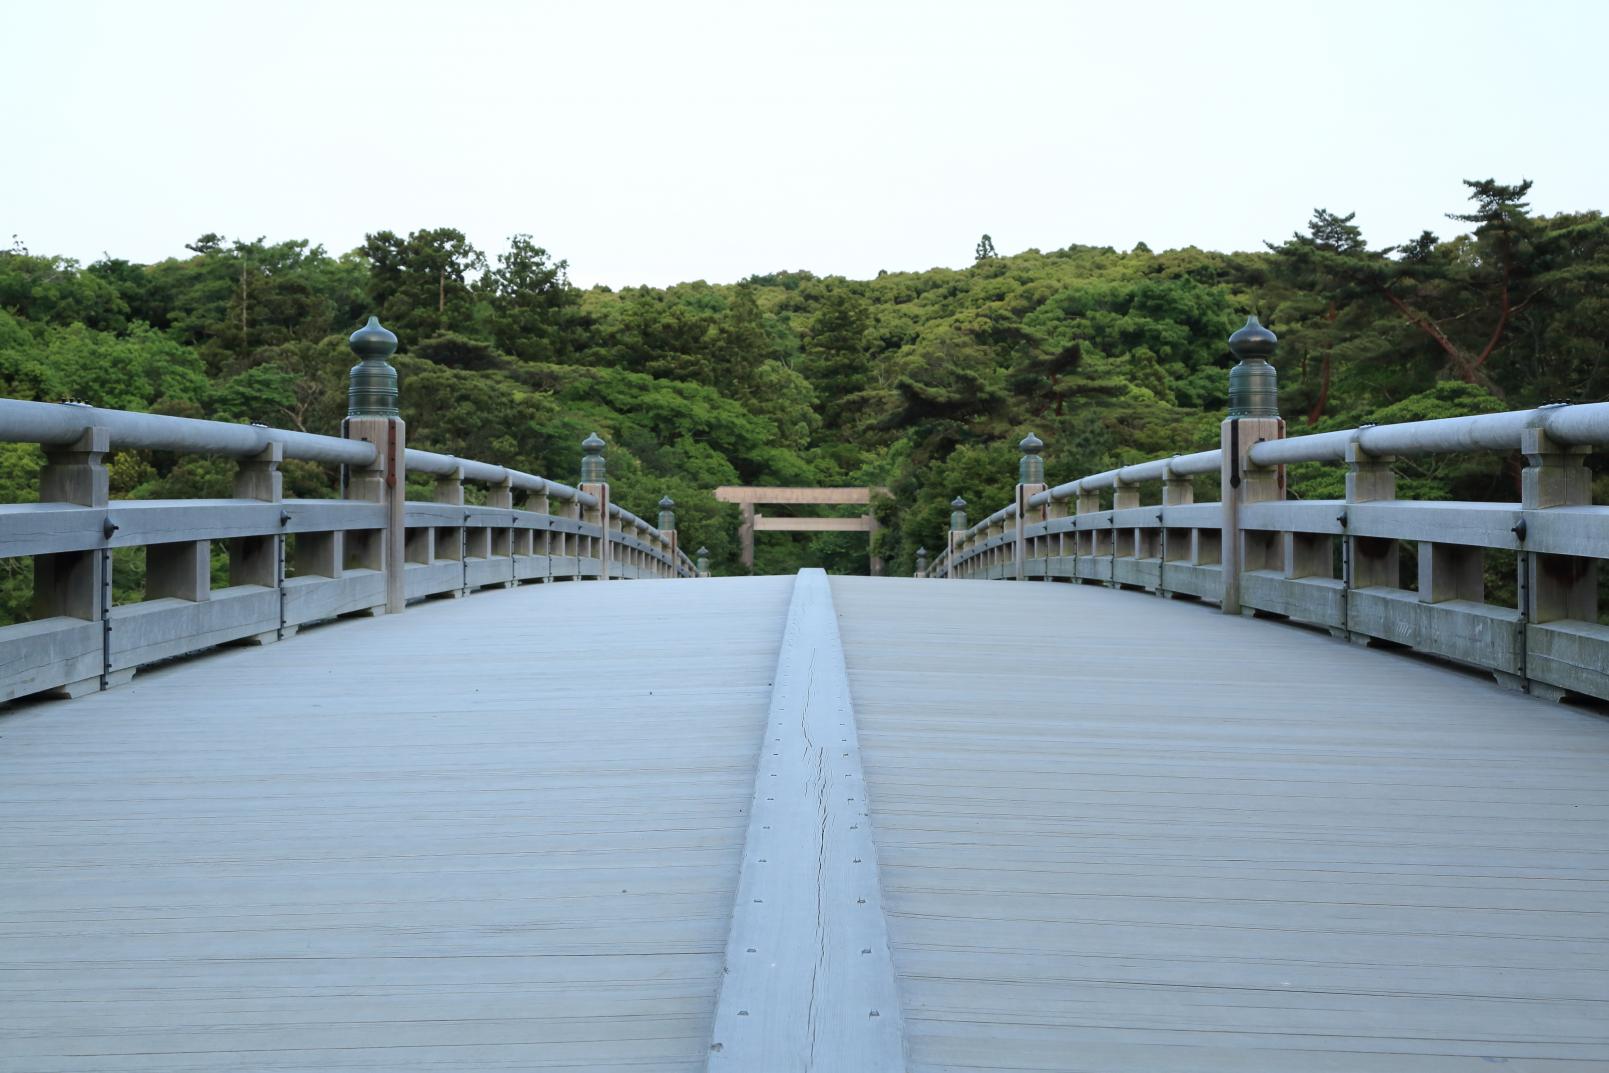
{"points": [[1582, 425], [1155, 470], [59, 424], [442, 465]]}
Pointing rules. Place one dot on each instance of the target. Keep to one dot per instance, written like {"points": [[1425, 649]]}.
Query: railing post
{"points": [[78, 584], [450, 488], [502, 544], [532, 544], [1030, 482], [1085, 501], [1553, 587], [260, 560], [667, 530], [1253, 416], [1370, 561], [1055, 510], [595, 482], [703, 561], [452, 541], [372, 415], [921, 562], [1125, 541], [958, 528], [1177, 491]]}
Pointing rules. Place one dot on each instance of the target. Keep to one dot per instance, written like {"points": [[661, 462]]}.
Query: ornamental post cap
{"points": [[921, 553], [372, 342], [1031, 444], [1253, 341], [958, 503], [593, 444], [702, 553], [667, 503]]}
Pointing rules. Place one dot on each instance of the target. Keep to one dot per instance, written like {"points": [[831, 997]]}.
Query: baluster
{"points": [[259, 560], [501, 538], [1556, 588], [958, 528], [78, 584]]}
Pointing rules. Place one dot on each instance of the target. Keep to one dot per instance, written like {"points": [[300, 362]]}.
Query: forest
{"points": [[917, 381]]}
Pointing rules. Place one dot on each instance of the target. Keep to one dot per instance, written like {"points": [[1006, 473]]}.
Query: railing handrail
{"points": [[1577, 425], [60, 424], [444, 465], [1155, 470], [291, 562], [1255, 550], [1570, 425]]}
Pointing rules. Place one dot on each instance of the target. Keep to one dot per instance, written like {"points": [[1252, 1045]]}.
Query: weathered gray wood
{"points": [[1131, 835], [161, 629], [47, 653], [808, 982], [734, 493], [764, 524], [494, 833]]}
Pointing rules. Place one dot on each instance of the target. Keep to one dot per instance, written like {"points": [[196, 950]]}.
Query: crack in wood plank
{"points": [[809, 981]]}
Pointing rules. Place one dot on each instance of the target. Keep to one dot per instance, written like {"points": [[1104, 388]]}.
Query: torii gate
{"points": [[747, 496]]}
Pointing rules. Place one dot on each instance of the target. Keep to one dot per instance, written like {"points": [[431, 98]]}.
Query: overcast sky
{"points": [[657, 142]]}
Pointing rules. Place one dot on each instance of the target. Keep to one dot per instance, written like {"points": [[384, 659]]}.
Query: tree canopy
{"points": [[918, 381]]}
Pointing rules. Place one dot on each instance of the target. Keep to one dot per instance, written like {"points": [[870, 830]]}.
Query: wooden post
{"points": [[1253, 417], [78, 584], [958, 528], [372, 416], [668, 537], [595, 481], [255, 560], [1556, 586], [1030, 482], [1371, 561], [260, 560]]}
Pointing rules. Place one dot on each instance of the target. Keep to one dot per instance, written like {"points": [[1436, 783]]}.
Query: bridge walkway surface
{"points": [[1109, 832]]}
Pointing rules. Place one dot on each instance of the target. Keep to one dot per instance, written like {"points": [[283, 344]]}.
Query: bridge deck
{"points": [[1115, 833], [495, 833], [1123, 834]]}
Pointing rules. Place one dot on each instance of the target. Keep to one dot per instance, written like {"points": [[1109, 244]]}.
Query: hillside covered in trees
{"points": [[918, 381]]}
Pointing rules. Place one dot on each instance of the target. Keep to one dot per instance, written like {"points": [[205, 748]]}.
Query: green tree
{"points": [[533, 305], [421, 285], [836, 352]]}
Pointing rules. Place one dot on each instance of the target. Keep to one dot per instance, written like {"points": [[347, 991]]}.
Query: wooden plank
{"points": [[813, 525], [736, 493], [1135, 835], [809, 984], [501, 832]]}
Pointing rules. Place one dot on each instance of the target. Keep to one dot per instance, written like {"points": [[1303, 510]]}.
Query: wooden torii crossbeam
{"points": [[747, 496]]}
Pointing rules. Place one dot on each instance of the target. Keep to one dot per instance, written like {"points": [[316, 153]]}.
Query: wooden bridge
{"points": [[800, 823]]}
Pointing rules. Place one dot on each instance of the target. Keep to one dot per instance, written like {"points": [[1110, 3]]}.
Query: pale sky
{"points": [[658, 142]]}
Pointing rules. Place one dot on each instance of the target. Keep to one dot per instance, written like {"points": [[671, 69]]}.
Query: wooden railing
{"points": [[291, 562], [1339, 563]]}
